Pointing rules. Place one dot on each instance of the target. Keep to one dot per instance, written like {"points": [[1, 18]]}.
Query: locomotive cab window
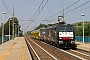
{"points": [[69, 28], [66, 28]]}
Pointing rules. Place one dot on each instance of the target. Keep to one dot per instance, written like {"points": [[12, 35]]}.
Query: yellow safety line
{"points": [[7, 51], [23, 50]]}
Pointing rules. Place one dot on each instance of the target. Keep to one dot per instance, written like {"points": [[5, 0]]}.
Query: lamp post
{"points": [[9, 27], [83, 26], [18, 30], [3, 27], [13, 24], [15, 31]]}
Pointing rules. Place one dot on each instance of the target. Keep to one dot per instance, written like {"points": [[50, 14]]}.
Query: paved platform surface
{"points": [[15, 50], [83, 46]]}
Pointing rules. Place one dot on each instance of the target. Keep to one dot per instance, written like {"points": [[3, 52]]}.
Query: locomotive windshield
{"points": [[66, 28], [42, 31]]}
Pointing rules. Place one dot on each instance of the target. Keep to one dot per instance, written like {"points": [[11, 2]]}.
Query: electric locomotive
{"points": [[61, 35], [66, 36], [41, 34]]}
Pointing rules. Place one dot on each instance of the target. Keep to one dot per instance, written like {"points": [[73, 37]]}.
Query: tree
{"points": [[6, 26], [79, 24], [87, 30], [78, 31], [42, 26]]}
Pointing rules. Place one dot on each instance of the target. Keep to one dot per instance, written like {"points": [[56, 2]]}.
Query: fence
{"points": [[6, 38], [80, 39]]}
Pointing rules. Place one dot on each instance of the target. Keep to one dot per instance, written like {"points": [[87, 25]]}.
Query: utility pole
{"points": [[63, 14], [43, 23], [13, 24], [15, 31], [18, 30], [9, 29]]}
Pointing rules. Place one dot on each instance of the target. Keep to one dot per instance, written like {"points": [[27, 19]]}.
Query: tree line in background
{"points": [[79, 28], [6, 27]]}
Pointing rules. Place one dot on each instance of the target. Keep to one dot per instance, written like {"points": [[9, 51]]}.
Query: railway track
{"points": [[43, 51], [38, 52], [83, 52]]}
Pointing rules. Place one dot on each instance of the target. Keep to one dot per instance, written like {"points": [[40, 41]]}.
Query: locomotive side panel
{"points": [[42, 34], [46, 35]]}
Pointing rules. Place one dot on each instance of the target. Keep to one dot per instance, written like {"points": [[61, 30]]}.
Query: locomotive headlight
{"points": [[71, 38], [72, 42], [60, 38], [60, 42]]}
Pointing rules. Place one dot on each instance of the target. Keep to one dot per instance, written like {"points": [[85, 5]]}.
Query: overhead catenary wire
{"points": [[62, 11], [80, 10], [37, 13], [76, 8], [6, 7], [41, 9], [37, 9], [34, 15]]}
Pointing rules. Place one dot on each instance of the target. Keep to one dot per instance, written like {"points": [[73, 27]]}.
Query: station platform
{"points": [[15, 50], [83, 46]]}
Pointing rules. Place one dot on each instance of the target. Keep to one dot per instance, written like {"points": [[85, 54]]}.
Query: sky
{"points": [[25, 9]]}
